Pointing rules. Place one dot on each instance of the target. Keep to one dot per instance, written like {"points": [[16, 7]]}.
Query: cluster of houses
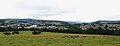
{"points": [[29, 23], [103, 26]]}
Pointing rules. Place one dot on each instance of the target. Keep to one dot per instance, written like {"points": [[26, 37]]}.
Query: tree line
{"points": [[68, 30]]}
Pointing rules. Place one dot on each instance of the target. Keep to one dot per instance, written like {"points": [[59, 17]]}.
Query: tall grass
{"points": [[25, 38]]}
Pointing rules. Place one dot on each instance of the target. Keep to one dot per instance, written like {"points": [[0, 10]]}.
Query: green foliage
{"points": [[7, 33], [15, 32], [70, 29], [36, 32]]}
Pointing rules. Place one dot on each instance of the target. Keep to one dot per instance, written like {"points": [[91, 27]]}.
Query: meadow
{"points": [[26, 38]]}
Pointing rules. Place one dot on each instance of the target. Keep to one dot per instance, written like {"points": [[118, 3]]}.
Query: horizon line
{"points": [[62, 20]]}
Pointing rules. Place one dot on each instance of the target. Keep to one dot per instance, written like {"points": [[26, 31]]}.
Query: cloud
{"points": [[69, 10], [38, 11]]}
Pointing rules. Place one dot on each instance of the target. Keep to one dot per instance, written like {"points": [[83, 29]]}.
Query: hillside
{"points": [[108, 21], [28, 22]]}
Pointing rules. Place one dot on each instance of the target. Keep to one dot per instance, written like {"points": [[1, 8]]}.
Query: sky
{"points": [[64, 10]]}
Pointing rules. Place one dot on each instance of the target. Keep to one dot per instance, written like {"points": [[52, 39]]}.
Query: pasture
{"points": [[26, 38]]}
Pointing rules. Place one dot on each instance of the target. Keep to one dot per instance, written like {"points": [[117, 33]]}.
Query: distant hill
{"points": [[31, 22], [56, 22], [74, 22], [108, 21]]}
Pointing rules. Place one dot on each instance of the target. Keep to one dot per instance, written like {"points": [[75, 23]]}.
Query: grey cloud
{"points": [[42, 11]]}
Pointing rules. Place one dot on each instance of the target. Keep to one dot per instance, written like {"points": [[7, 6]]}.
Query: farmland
{"points": [[26, 38]]}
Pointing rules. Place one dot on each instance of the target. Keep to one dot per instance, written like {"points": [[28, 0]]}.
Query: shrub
{"points": [[36, 32], [6, 33], [15, 32]]}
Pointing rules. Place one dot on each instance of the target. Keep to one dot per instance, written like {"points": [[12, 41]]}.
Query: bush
{"points": [[15, 32], [36, 32], [6, 33]]}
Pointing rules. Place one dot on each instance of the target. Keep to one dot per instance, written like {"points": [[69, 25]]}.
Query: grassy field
{"points": [[25, 38]]}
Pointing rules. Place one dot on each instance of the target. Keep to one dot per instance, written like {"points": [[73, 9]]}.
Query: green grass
{"points": [[25, 38]]}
